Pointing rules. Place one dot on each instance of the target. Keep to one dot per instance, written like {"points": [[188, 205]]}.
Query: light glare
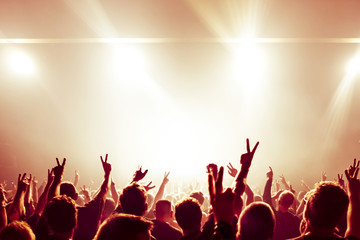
{"points": [[249, 60], [21, 64], [354, 66]]}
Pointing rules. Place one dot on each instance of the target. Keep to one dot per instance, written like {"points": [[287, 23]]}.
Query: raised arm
{"points": [[17, 208], [35, 190], [245, 161], [28, 193], [249, 195], [284, 182], [44, 196], [222, 203], [58, 171], [106, 183], [3, 216], [353, 216], [76, 178], [160, 193], [267, 189], [114, 193]]}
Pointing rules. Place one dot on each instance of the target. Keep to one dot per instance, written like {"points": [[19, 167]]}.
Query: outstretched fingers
{"points": [[219, 181], [102, 160], [248, 146]]}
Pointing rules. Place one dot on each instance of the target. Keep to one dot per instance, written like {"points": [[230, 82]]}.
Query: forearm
{"points": [[353, 217], [104, 187], [114, 193], [42, 200], [160, 193], [267, 192], [238, 201], [35, 194], [249, 195], [3, 216], [54, 188], [17, 208]]}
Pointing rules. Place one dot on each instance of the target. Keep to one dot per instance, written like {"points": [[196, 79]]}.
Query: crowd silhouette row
{"points": [[60, 210]]}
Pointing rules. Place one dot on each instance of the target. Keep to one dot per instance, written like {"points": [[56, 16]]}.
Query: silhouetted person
{"points": [[287, 224], [188, 215], [162, 230], [61, 216], [17, 230], [257, 221], [325, 206], [133, 199], [124, 226]]}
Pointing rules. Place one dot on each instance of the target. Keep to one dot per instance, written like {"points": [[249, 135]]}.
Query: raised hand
{"points": [[139, 175], [166, 179], [22, 182], [149, 187], [353, 167], [106, 165], [340, 180], [353, 218], [222, 202], [247, 157], [270, 173], [59, 169], [231, 170], [212, 168], [351, 175]]}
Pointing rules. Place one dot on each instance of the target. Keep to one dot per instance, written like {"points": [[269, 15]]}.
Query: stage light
{"points": [[128, 61], [353, 67], [21, 64], [249, 60]]}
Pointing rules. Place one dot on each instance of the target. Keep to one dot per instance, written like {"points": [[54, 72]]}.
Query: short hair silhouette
{"points": [[257, 221], [326, 205], [17, 230], [162, 208], [124, 226], [188, 214], [61, 214], [286, 198], [68, 189], [133, 199]]}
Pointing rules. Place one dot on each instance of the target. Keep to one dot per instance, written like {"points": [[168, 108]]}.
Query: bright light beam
{"points": [[340, 106], [353, 68], [21, 64]]}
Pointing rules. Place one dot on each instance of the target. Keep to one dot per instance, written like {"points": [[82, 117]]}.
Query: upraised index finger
{"points": [[106, 156], [57, 161]]}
